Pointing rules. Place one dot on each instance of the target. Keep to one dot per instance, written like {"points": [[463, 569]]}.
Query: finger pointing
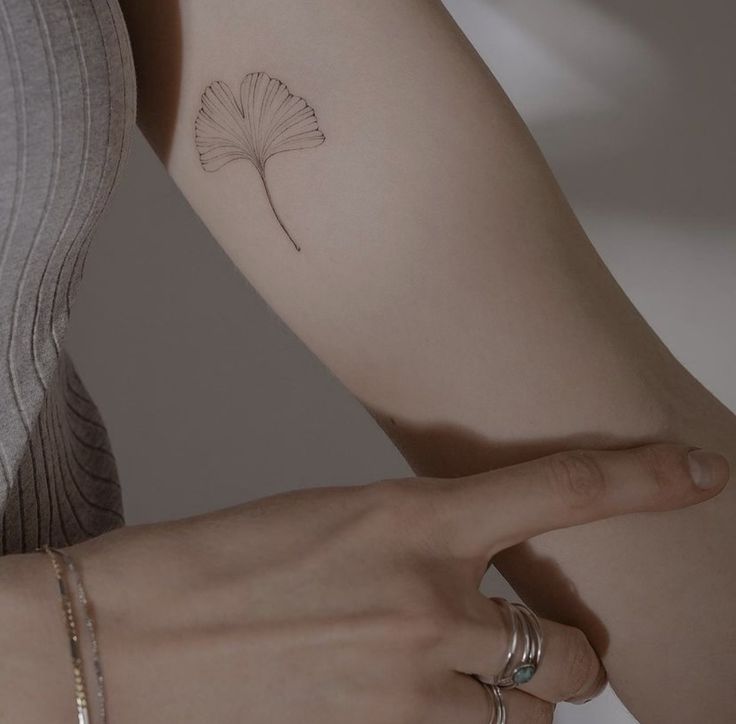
{"points": [[492, 511]]}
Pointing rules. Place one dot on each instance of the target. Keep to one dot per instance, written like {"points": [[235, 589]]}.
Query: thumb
{"points": [[500, 508]]}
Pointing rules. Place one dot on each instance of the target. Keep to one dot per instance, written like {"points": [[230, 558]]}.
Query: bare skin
{"points": [[445, 280], [260, 614]]}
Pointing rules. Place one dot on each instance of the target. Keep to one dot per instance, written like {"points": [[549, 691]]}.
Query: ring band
{"points": [[520, 665], [498, 707], [513, 636], [533, 645]]}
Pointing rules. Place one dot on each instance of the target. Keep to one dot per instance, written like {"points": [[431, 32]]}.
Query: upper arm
{"points": [[413, 215]]}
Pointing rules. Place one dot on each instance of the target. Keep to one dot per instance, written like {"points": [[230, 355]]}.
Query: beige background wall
{"points": [[210, 400]]}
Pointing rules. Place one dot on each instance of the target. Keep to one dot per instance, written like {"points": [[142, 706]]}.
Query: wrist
{"points": [[37, 682]]}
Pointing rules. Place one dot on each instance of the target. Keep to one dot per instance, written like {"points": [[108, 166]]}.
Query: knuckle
{"points": [[666, 469], [548, 713], [390, 504], [402, 507], [576, 478], [426, 630], [582, 663], [540, 711]]}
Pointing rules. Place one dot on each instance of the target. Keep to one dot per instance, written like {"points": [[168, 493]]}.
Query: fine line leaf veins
{"points": [[265, 120]]}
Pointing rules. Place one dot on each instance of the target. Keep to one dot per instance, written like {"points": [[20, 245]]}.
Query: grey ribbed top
{"points": [[67, 106]]}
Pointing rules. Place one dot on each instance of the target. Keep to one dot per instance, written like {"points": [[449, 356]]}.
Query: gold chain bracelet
{"points": [[61, 561]]}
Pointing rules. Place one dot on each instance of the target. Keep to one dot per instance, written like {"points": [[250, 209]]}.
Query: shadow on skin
{"points": [[524, 568], [155, 34], [673, 127]]}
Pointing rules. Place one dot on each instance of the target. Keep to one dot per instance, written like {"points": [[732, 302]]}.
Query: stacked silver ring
{"points": [[498, 708], [522, 661]]}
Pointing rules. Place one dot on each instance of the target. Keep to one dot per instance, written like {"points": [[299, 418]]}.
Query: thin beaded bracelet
{"points": [[80, 689]]}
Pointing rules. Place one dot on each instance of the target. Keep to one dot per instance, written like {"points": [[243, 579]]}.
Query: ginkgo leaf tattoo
{"points": [[267, 119]]}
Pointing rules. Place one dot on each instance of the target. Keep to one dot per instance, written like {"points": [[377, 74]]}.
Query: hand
{"points": [[356, 604]]}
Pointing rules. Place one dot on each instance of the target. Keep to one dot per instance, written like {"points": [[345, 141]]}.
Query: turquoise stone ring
{"points": [[524, 674], [524, 651]]}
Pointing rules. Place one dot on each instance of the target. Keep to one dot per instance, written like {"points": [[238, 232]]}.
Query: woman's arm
{"points": [[444, 279], [197, 620]]}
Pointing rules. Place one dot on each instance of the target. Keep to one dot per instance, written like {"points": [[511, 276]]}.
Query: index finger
{"points": [[497, 509]]}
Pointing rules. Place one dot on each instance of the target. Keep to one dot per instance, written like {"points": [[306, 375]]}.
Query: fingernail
{"points": [[706, 467]]}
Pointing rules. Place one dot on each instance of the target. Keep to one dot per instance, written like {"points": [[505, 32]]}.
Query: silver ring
{"points": [[498, 708], [532, 654], [520, 665]]}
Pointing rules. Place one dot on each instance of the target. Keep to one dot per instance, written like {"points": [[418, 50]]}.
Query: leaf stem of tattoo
{"points": [[275, 212], [263, 120]]}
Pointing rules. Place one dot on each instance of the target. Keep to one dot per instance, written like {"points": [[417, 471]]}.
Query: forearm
{"points": [[443, 278]]}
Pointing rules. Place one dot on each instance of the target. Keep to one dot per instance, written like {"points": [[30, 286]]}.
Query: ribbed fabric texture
{"points": [[67, 106]]}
